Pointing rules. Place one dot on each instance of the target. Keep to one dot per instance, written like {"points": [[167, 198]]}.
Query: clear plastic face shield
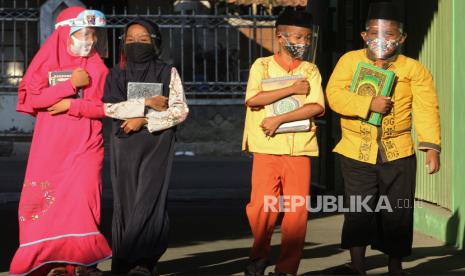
{"points": [[383, 38], [301, 43], [88, 34]]}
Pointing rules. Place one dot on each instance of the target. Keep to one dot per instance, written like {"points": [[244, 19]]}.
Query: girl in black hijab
{"points": [[141, 151]]}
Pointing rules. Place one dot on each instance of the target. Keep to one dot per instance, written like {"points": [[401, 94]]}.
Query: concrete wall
{"points": [[212, 128], [10, 121]]}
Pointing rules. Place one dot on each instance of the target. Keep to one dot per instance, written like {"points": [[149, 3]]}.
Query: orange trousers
{"points": [[276, 175]]}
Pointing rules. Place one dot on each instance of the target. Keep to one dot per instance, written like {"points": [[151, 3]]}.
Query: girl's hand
{"points": [[80, 78], [60, 107], [158, 103], [133, 125]]}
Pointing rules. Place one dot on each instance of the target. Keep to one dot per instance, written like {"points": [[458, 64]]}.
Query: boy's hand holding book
{"points": [[300, 87], [269, 125], [381, 104], [288, 95], [370, 80]]}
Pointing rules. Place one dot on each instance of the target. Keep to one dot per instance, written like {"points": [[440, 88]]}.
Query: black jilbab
{"points": [[140, 170]]}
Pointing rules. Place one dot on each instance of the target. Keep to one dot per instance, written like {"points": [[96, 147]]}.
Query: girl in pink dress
{"points": [[59, 210]]}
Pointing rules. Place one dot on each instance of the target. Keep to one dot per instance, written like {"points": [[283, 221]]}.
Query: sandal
{"points": [[87, 271], [345, 269], [58, 271], [140, 271]]}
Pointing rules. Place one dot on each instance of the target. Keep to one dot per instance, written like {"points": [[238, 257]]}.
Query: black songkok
{"points": [[384, 10], [295, 18]]}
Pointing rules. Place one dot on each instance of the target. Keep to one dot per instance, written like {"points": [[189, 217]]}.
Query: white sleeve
{"points": [[125, 110], [177, 107]]}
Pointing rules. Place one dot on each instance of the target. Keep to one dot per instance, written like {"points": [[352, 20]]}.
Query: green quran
{"points": [[370, 80]]}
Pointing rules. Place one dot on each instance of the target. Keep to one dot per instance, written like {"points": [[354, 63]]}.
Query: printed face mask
{"points": [[382, 48], [295, 50], [81, 48]]}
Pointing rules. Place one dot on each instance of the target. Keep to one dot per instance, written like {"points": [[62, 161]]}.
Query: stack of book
{"points": [[287, 104]]}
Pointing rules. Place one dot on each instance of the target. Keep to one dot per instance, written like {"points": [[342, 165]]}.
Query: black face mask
{"points": [[139, 52]]}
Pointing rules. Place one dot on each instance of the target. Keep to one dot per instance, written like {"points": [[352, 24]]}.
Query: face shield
{"points": [[87, 34], [383, 38], [300, 45]]}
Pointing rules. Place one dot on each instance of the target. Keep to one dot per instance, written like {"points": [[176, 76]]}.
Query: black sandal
{"points": [[140, 271], [58, 271], [87, 271], [345, 269]]}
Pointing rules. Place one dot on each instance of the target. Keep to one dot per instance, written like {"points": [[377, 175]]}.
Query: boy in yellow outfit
{"points": [[281, 161], [380, 161]]}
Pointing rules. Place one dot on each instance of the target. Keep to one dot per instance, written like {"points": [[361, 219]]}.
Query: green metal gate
{"points": [[436, 54]]}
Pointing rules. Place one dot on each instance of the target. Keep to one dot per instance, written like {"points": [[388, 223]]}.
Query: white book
{"points": [[138, 90], [285, 105]]}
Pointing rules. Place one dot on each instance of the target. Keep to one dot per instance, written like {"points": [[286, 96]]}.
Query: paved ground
{"points": [[192, 178], [209, 230]]}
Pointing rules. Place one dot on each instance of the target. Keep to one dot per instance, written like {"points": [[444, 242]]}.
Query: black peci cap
{"points": [[384, 10], [295, 18]]}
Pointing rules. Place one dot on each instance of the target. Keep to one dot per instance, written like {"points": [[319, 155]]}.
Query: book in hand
{"points": [[55, 77], [138, 90], [370, 80], [285, 105]]}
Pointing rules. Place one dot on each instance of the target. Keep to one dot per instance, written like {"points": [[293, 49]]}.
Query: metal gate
{"points": [[212, 49]]}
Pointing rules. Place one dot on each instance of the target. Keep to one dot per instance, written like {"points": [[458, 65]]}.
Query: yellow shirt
{"points": [[294, 144], [414, 98]]}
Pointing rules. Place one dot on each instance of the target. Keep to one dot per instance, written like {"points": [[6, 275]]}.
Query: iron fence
{"points": [[213, 49]]}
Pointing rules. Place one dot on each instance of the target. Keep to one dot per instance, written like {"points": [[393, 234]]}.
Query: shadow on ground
{"points": [[446, 261]]}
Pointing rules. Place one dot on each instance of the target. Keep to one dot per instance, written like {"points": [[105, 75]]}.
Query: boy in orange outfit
{"points": [[281, 161]]}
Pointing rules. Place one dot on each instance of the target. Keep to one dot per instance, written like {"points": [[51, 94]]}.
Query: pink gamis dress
{"points": [[59, 209]]}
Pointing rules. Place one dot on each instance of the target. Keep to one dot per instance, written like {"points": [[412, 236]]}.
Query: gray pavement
{"points": [[192, 178], [209, 230]]}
